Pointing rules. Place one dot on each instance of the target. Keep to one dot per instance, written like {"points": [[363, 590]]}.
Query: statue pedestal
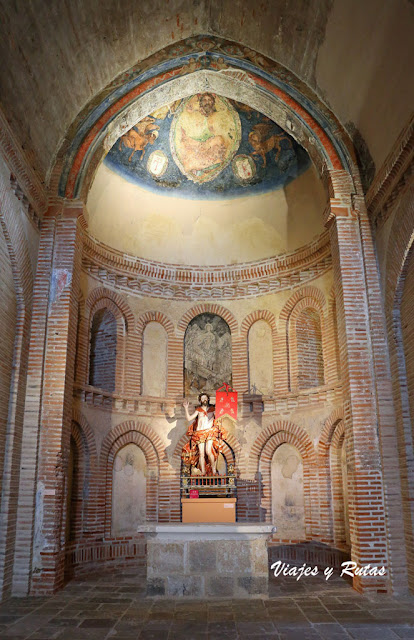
{"points": [[207, 560], [208, 510]]}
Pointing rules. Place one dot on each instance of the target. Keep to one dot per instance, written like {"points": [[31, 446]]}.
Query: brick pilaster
{"points": [[48, 409], [366, 488]]}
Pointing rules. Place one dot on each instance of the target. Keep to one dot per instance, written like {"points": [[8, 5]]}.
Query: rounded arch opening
{"points": [[207, 354]]}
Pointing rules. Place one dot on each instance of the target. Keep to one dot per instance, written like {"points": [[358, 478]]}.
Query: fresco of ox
{"points": [[207, 146]]}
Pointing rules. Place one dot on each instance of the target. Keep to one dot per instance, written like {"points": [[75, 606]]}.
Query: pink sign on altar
{"points": [[226, 402], [193, 493]]}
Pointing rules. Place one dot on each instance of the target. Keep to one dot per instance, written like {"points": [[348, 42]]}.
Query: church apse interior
{"points": [[205, 218]]}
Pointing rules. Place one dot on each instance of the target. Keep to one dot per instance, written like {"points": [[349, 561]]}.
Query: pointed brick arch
{"points": [[328, 144], [312, 293], [87, 432], [328, 430], [155, 316], [119, 301]]}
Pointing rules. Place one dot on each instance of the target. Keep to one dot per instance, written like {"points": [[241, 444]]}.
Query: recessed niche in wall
{"points": [[154, 360], [128, 490], [288, 508], [207, 354], [260, 358]]}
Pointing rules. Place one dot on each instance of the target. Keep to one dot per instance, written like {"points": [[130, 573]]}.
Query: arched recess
{"points": [[171, 364], [129, 490], [329, 147], [260, 461], [288, 500], [87, 480], [101, 299], [339, 476], [105, 339], [265, 316], [131, 432], [307, 368], [9, 312], [78, 481], [239, 360], [287, 342], [331, 481]]}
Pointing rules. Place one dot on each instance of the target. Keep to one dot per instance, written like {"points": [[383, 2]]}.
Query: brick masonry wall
{"points": [[103, 350], [394, 246], [309, 350], [8, 321], [407, 327], [20, 235], [101, 416]]}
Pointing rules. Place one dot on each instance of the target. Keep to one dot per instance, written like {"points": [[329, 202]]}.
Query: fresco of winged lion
{"points": [[137, 138], [263, 141]]}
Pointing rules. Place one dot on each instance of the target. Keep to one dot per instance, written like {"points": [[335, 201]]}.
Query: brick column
{"points": [[39, 559], [367, 505]]}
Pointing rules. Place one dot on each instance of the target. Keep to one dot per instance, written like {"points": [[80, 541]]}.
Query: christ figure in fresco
{"points": [[204, 138], [205, 434]]}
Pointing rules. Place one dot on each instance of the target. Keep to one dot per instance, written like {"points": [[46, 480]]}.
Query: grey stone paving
{"points": [[104, 605]]}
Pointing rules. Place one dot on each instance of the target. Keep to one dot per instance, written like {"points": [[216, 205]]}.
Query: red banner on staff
{"points": [[226, 402]]}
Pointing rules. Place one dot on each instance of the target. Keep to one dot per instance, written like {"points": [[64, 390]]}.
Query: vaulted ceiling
{"points": [[57, 56]]}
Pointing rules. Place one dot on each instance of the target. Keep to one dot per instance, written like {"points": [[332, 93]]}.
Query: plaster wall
{"points": [[129, 490], [260, 358], [288, 506], [154, 360], [207, 232]]}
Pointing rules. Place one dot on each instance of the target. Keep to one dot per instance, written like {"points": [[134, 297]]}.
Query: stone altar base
{"points": [[207, 560]]}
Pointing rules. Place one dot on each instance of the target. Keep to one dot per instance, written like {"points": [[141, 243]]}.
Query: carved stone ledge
{"points": [[249, 405]]}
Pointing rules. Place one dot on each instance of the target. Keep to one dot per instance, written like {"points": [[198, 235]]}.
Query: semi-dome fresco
{"points": [[206, 146]]}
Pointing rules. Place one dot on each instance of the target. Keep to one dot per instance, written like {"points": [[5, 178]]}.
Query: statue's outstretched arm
{"points": [[187, 414]]}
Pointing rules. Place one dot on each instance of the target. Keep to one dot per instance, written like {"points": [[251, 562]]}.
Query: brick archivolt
{"points": [[207, 308]]}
